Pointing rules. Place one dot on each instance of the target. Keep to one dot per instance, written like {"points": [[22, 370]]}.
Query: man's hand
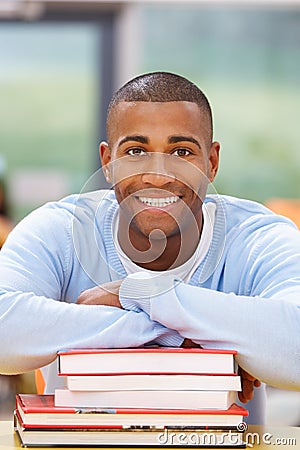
{"points": [[248, 384], [188, 343], [107, 294]]}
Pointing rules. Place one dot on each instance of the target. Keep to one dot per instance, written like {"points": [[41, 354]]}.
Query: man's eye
{"points": [[136, 151], [181, 152]]}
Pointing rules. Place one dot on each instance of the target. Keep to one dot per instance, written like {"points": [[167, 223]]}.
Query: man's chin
{"points": [[157, 228], [158, 233]]}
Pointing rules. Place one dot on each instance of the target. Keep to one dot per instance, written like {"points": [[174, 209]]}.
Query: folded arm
{"points": [[38, 314], [262, 325]]}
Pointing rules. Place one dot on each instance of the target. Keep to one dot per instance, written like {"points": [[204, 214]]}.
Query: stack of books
{"points": [[150, 396]]}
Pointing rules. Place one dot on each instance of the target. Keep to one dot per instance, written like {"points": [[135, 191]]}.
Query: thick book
{"points": [[153, 382], [38, 411], [127, 437], [146, 399], [150, 360]]}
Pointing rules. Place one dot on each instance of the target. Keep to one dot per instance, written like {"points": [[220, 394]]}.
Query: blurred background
{"points": [[60, 61]]}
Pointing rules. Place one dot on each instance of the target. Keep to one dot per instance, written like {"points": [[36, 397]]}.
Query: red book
{"points": [[36, 411], [150, 360]]}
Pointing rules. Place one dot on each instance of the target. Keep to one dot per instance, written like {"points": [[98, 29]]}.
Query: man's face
{"points": [[160, 162]]}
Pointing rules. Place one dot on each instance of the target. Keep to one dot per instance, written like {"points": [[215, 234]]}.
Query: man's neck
{"points": [[159, 254]]}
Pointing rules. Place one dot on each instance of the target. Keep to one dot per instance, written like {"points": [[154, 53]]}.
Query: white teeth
{"points": [[158, 202]]}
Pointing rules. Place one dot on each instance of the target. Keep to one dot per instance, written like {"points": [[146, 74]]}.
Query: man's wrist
{"points": [[139, 288]]}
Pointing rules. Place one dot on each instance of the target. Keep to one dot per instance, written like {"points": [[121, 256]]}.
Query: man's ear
{"points": [[105, 156], [214, 160]]}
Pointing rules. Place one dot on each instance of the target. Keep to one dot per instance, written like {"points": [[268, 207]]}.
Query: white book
{"points": [[129, 437], [147, 360], [146, 399], [153, 382]]}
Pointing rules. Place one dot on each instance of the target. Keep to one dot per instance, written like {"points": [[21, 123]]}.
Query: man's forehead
{"points": [[125, 105], [125, 110], [137, 116]]}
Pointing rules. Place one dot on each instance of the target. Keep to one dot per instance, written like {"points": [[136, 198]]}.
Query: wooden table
{"points": [[272, 438]]}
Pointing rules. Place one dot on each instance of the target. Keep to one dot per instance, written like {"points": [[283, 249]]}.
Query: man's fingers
{"points": [[90, 296], [248, 384], [100, 296], [257, 383], [247, 391]]}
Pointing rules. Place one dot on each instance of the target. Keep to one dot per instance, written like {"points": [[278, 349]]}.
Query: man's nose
{"points": [[158, 171]]}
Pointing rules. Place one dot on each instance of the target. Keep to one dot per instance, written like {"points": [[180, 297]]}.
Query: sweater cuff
{"points": [[137, 289], [171, 338]]}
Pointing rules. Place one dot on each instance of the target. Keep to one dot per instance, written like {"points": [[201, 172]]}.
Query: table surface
{"points": [[272, 438]]}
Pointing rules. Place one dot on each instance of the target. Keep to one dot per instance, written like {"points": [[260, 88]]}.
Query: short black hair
{"points": [[162, 87]]}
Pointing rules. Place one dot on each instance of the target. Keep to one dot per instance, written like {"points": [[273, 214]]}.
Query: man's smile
{"points": [[158, 202]]}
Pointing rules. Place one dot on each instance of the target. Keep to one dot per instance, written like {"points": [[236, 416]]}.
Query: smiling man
{"points": [[155, 259]]}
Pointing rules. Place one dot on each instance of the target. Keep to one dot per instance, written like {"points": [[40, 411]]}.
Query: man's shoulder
{"points": [[87, 201], [237, 211], [238, 204], [82, 208]]}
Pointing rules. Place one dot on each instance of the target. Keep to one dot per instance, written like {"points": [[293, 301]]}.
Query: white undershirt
{"points": [[186, 270]]}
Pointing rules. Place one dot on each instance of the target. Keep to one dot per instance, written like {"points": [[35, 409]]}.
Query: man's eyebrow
{"points": [[134, 138], [176, 139]]}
